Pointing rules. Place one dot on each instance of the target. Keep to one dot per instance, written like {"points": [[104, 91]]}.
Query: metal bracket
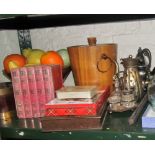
{"points": [[24, 39]]}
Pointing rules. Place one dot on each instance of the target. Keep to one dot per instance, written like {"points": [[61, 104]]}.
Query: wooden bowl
{"points": [[65, 73], [7, 75]]}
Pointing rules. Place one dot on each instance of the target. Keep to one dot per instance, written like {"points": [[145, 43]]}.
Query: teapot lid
{"points": [[130, 61]]}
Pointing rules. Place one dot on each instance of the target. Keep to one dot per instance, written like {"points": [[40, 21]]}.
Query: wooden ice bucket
{"points": [[93, 64]]}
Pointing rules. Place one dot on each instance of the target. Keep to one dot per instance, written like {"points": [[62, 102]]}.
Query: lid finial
{"points": [[91, 41]]}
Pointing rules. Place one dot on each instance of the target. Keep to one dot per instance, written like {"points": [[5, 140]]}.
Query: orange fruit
{"points": [[18, 59], [52, 57]]}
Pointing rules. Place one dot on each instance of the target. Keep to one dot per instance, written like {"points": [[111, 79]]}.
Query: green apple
{"points": [[65, 56]]}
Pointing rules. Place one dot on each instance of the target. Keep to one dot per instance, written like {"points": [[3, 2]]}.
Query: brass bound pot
{"points": [[93, 64], [7, 102]]}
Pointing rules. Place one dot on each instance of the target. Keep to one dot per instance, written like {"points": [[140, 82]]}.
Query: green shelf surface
{"points": [[115, 128]]}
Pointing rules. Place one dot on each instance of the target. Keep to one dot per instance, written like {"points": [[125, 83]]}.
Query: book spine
{"points": [[40, 89], [103, 98], [26, 92], [16, 83], [48, 83], [57, 76], [33, 92]]}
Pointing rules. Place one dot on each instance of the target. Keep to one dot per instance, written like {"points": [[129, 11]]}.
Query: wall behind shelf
{"points": [[128, 35]]}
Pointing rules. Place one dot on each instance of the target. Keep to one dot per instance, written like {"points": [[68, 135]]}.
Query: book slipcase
{"points": [[33, 87]]}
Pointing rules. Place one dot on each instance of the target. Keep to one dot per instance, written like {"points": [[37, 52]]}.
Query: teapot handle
{"points": [[105, 57], [145, 52]]}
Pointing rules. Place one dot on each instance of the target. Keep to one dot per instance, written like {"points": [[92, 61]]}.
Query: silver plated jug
{"points": [[131, 78]]}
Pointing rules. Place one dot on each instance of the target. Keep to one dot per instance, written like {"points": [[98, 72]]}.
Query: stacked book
{"points": [[76, 107], [148, 118], [34, 86]]}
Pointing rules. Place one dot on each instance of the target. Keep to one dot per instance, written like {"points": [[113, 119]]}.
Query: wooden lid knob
{"points": [[91, 41]]}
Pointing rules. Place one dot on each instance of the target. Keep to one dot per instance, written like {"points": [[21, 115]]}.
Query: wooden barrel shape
{"points": [[93, 64]]}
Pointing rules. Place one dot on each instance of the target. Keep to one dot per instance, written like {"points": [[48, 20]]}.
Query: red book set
{"points": [[33, 87]]}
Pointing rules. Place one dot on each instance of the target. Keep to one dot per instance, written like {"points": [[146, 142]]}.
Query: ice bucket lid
{"points": [[92, 42]]}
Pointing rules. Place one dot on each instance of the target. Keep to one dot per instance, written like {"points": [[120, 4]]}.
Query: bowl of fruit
{"points": [[37, 57]]}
